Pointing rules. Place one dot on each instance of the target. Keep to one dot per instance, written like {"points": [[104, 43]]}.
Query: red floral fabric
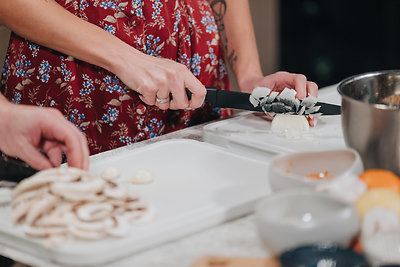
{"points": [[95, 100]]}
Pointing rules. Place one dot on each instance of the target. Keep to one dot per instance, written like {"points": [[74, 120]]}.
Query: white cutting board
{"points": [[196, 185], [250, 133]]}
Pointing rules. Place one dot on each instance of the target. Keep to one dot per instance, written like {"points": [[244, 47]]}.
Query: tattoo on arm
{"points": [[219, 9]]}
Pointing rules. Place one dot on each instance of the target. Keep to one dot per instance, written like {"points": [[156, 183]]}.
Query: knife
{"points": [[239, 100], [12, 170]]}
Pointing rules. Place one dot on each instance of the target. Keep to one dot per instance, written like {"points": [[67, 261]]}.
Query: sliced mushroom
{"points": [[55, 240], [136, 205], [86, 235], [29, 195], [115, 191], [20, 210], [69, 190], [44, 231], [94, 211], [120, 227], [96, 226], [142, 177], [148, 216], [42, 206], [110, 174]]}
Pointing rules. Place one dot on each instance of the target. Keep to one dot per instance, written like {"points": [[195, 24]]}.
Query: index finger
{"points": [[312, 88], [300, 85], [78, 157], [66, 133]]}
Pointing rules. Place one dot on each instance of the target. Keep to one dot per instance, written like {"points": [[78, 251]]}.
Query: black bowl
{"points": [[313, 256]]}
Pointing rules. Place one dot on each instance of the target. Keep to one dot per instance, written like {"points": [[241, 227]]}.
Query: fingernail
{"points": [[189, 109]]}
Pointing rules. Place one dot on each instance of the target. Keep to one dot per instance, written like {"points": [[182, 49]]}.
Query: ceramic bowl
{"points": [[291, 218], [294, 170], [311, 256]]}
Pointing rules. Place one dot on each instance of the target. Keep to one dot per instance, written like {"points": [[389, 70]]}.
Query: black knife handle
{"points": [[14, 171], [188, 93], [211, 95]]}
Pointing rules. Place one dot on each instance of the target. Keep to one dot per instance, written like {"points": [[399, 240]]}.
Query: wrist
{"points": [[247, 74], [5, 108], [115, 59], [247, 82]]}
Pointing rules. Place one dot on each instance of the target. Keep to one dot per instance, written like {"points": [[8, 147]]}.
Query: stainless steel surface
{"points": [[370, 127]]}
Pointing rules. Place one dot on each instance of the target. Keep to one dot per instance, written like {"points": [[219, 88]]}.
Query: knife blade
{"points": [[239, 100], [12, 170]]}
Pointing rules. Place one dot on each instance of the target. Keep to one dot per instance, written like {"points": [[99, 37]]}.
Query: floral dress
{"points": [[95, 100]]}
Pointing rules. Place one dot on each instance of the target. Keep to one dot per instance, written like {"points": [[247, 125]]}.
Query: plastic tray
{"points": [[196, 185]]}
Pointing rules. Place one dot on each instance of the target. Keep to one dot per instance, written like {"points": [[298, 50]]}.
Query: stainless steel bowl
{"points": [[369, 125]]}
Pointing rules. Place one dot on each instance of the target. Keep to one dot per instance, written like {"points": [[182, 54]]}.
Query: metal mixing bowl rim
{"points": [[361, 76]]}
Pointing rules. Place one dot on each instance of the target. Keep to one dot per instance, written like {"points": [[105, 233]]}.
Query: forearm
{"points": [[237, 35], [47, 23]]}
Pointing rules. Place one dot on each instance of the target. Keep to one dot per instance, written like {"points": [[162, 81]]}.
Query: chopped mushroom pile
{"points": [[68, 202], [284, 102]]}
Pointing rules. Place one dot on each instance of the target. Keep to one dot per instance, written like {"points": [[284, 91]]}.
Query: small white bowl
{"points": [[291, 218], [293, 170]]}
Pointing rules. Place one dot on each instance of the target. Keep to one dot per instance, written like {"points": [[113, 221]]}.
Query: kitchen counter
{"points": [[236, 238]]}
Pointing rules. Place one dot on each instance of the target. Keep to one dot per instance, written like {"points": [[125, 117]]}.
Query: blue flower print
{"points": [[209, 21], [222, 69], [125, 139], [114, 85], [137, 6], [22, 65], [87, 84], [34, 48], [16, 99], [114, 5], [83, 4], [64, 71], [109, 28], [152, 47], [185, 60], [6, 68], [178, 18], [157, 5], [195, 64], [110, 116], [76, 118], [188, 39], [44, 70]]}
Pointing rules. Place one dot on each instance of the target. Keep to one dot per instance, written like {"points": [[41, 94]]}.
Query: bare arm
{"points": [[237, 34], [47, 23], [62, 31]]}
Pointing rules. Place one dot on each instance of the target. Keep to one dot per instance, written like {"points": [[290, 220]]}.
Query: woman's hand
{"points": [[279, 81], [155, 79], [26, 131]]}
